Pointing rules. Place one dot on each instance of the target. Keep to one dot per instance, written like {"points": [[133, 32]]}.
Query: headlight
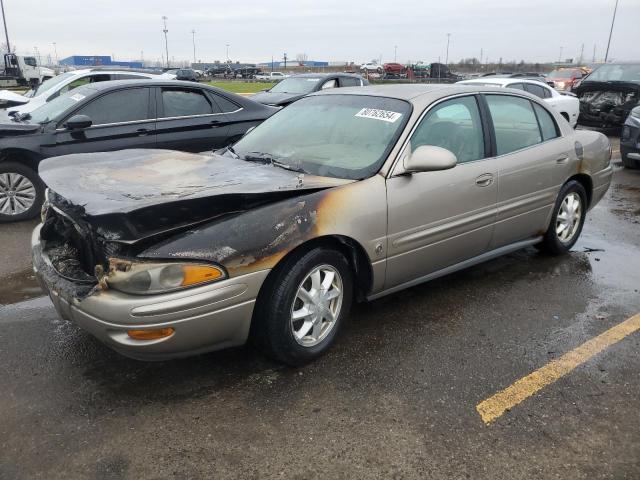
{"points": [[635, 112], [142, 278]]}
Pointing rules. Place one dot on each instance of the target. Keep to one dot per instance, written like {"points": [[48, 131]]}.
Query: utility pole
{"points": [[193, 33], [446, 61], [285, 60], [581, 54], [6, 33], [166, 43], [55, 49], [560, 56], [395, 53], [613, 20], [594, 53], [227, 53]]}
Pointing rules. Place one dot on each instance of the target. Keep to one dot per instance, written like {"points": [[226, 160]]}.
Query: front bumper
{"points": [[206, 318]]}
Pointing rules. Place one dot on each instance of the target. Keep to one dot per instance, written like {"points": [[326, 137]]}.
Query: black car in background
{"points": [[113, 116], [295, 87], [630, 140], [187, 75], [608, 94]]}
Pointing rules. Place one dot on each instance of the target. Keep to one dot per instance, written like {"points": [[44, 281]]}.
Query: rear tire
{"points": [[302, 307], [567, 221], [21, 192]]}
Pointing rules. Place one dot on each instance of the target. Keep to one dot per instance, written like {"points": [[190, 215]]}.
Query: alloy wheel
{"points": [[569, 217], [17, 193], [317, 305]]}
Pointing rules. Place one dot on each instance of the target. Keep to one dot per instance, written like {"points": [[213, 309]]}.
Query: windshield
{"points": [[342, 136], [296, 85], [58, 106], [616, 73], [47, 85], [562, 74]]}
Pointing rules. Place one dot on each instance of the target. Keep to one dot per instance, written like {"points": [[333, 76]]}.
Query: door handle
{"points": [[484, 180], [142, 132], [562, 160]]}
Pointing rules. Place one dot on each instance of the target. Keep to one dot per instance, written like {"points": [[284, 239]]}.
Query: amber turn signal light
{"points": [[194, 274], [150, 334]]}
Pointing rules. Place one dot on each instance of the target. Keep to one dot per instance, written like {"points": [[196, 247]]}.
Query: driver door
{"points": [[440, 218]]}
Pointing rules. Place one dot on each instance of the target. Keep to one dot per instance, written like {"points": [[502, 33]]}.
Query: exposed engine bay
{"points": [[606, 106]]}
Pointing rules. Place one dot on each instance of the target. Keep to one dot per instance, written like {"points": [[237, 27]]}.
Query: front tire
{"points": [[303, 305], [21, 192], [568, 219]]}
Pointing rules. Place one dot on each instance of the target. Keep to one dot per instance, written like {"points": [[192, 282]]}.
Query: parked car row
{"points": [[162, 254]]}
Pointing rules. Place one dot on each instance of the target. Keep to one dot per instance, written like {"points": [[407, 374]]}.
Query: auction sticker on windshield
{"points": [[384, 115]]}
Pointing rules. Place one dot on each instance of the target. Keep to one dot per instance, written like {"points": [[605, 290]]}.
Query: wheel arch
{"points": [[352, 249], [27, 157], [586, 181]]}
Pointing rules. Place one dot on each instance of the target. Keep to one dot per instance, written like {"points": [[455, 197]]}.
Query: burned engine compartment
{"points": [[607, 105]]}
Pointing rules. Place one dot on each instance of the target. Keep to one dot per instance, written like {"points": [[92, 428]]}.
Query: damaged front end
{"points": [[607, 104]]}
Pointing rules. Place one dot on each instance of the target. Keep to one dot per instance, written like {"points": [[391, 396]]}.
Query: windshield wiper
{"points": [[269, 159], [233, 152]]}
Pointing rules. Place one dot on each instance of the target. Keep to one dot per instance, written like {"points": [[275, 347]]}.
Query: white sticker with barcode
{"points": [[77, 97], [384, 115]]}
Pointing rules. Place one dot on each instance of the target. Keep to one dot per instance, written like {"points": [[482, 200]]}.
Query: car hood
{"points": [[13, 129], [130, 195], [11, 99], [624, 87], [276, 98]]}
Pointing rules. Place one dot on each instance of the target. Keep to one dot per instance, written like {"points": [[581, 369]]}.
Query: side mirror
{"points": [[429, 158], [78, 121]]}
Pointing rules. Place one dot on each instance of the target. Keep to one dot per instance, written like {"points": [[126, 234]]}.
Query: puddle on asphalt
{"points": [[19, 286]]}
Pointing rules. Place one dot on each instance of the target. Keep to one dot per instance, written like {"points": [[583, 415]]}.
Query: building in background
{"points": [[96, 61]]}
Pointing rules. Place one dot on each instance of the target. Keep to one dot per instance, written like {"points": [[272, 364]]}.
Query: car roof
{"points": [[415, 93], [502, 81], [155, 82]]}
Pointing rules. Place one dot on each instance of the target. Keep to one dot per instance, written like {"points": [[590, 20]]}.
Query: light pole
{"points": [[606, 55], [560, 56], [6, 33], [166, 43], [193, 33], [227, 53], [55, 49], [395, 54], [446, 61]]}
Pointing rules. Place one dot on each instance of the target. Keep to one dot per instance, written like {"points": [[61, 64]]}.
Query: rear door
{"points": [[437, 219], [189, 120], [532, 163], [121, 119]]}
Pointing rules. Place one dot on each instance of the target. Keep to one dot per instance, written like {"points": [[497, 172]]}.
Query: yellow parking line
{"points": [[495, 406]]}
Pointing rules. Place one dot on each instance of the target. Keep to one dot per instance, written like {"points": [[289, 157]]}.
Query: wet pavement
{"points": [[395, 398]]}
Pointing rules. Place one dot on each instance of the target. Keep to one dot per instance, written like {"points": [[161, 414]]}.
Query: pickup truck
{"points": [[271, 76]]}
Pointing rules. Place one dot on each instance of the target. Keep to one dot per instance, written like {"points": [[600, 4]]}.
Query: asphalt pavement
{"points": [[397, 397]]}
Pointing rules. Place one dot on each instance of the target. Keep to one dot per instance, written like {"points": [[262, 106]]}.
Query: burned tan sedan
{"points": [[345, 195]]}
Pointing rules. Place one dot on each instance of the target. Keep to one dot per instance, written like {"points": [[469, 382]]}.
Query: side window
{"points": [[548, 125], [517, 86], [225, 105], [329, 84], [547, 92], [181, 102], [349, 82], [125, 76], [75, 84], [119, 106], [537, 90], [455, 125], [514, 123]]}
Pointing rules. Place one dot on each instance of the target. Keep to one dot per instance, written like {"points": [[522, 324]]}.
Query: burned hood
{"points": [[276, 98], [607, 103], [132, 194]]}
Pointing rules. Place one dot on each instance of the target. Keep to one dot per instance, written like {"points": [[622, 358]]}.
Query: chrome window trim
{"points": [[200, 115], [407, 141]]}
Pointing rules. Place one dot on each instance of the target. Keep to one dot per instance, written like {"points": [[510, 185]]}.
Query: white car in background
{"points": [[564, 102], [54, 87], [371, 67], [271, 76]]}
